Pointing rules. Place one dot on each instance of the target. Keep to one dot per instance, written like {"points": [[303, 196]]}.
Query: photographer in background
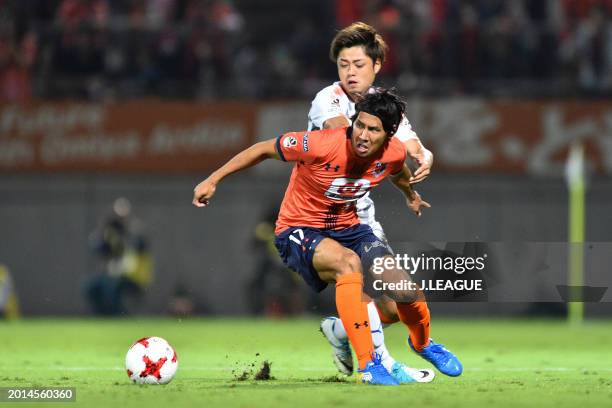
{"points": [[127, 265], [9, 306]]}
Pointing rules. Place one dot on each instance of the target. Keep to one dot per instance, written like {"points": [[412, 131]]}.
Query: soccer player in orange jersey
{"points": [[359, 51], [318, 233]]}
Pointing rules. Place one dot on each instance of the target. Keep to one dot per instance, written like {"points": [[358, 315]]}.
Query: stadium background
{"points": [[141, 99]]}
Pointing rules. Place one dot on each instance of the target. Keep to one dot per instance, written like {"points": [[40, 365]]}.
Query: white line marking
{"points": [[280, 368]]}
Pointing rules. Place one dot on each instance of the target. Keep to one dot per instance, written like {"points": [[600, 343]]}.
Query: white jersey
{"points": [[332, 102]]}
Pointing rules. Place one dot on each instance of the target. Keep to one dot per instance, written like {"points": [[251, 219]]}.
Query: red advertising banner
{"points": [[133, 136], [155, 136], [514, 137]]}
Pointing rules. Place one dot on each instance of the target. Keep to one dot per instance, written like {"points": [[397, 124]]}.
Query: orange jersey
{"points": [[329, 178]]}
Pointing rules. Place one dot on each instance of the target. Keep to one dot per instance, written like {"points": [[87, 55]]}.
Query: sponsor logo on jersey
{"points": [[334, 106], [379, 169], [347, 189], [305, 142], [290, 142], [329, 167]]}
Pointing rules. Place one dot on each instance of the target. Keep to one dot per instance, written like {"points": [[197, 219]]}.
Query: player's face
{"points": [[356, 70], [368, 135]]}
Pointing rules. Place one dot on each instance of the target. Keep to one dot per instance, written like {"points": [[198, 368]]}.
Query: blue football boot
{"points": [[375, 373], [445, 361], [404, 374]]}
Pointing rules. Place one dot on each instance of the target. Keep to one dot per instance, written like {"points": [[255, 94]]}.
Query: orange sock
{"points": [[354, 315], [416, 316]]}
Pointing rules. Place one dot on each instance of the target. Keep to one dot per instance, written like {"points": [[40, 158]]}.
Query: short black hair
{"points": [[384, 104], [359, 34]]}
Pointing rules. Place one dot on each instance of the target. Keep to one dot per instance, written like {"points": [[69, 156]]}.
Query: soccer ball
{"points": [[151, 360]]}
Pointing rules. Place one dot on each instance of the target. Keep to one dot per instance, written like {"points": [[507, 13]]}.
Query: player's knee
{"points": [[348, 262]]}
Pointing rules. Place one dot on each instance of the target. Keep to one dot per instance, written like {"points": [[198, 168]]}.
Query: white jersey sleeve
{"points": [[405, 132], [329, 103]]}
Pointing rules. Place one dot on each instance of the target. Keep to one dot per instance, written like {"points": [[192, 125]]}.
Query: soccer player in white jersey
{"points": [[359, 52]]}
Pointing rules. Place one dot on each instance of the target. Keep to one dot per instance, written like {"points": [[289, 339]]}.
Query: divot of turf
{"points": [[264, 372], [244, 376]]}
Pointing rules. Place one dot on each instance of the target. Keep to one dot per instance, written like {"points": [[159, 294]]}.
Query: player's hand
{"points": [[425, 160], [203, 192], [416, 203]]}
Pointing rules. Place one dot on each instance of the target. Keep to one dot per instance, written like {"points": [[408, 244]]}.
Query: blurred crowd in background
{"points": [[250, 49]]}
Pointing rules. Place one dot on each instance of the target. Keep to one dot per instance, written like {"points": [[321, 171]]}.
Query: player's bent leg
{"points": [[412, 310], [373, 253], [334, 262], [416, 316], [334, 332]]}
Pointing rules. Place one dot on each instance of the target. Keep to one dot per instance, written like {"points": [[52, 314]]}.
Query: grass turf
{"points": [[507, 363]]}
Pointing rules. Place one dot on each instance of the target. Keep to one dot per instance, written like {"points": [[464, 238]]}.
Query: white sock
{"points": [[378, 336]]}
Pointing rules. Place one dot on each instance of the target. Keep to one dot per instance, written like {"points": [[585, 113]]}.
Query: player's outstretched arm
{"points": [[402, 181], [336, 122], [421, 156], [255, 154]]}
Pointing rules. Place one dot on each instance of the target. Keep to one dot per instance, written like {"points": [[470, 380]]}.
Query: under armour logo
{"points": [[364, 324], [328, 166]]}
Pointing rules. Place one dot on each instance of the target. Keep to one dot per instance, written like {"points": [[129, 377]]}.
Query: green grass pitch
{"points": [[507, 363]]}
